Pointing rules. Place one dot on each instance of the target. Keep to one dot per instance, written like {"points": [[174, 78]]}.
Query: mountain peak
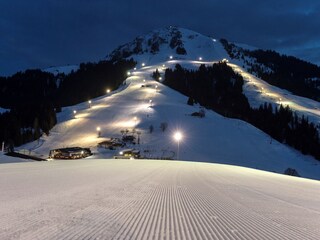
{"points": [[180, 43]]}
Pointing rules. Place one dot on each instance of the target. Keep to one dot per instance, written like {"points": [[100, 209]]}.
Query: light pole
{"points": [[74, 113], [99, 131], [89, 103], [135, 121], [177, 137]]}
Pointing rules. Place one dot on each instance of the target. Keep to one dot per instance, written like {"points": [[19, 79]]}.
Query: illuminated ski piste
{"points": [[211, 139]]}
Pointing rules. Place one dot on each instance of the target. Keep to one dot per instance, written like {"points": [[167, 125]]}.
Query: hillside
{"points": [[210, 139]]}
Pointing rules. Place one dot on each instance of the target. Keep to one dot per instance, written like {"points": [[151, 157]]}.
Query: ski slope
{"points": [[153, 199], [210, 139]]}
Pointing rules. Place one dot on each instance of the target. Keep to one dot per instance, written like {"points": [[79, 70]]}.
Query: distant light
{"points": [[214, 40], [98, 129], [200, 58], [150, 101], [144, 80], [82, 152], [171, 57], [108, 90], [135, 68], [128, 73], [160, 78], [121, 153], [177, 136], [143, 64], [74, 111], [89, 101], [163, 65]]}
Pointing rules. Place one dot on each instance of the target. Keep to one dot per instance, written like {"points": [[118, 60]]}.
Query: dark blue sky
{"points": [[43, 33]]}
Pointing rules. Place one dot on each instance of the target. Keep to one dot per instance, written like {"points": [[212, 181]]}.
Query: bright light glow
{"points": [[108, 91], [163, 65], [135, 68], [121, 153], [98, 129], [171, 57], [200, 58], [160, 78], [128, 73], [214, 40], [177, 136], [74, 112], [143, 64], [144, 80], [89, 101]]}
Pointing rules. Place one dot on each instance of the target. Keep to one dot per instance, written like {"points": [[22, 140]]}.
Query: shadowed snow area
{"points": [[153, 199]]}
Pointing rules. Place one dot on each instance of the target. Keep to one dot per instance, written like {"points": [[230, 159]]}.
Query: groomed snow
{"points": [[149, 199]]}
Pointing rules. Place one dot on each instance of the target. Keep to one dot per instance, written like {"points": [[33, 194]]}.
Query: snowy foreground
{"points": [[154, 199]]}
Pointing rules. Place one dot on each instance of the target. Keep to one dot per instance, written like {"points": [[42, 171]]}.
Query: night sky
{"points": [[43, 33]]}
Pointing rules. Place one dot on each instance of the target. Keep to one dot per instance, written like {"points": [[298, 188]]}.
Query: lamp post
{"points": [[135, 121], [89, 103], [74, 113], [99, 131], [177, 137]]}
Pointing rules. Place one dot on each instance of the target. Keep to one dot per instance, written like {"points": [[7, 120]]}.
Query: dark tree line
{"points": [[216, 87], [34, 96], [219, 88], [299, 77]]}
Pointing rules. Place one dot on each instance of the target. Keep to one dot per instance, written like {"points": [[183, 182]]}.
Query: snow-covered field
{"points": [[154, 199]]}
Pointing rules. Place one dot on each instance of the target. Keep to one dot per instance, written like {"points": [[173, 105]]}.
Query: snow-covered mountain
{"points": [[212, 139], [179, 43], [103, 198]]}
